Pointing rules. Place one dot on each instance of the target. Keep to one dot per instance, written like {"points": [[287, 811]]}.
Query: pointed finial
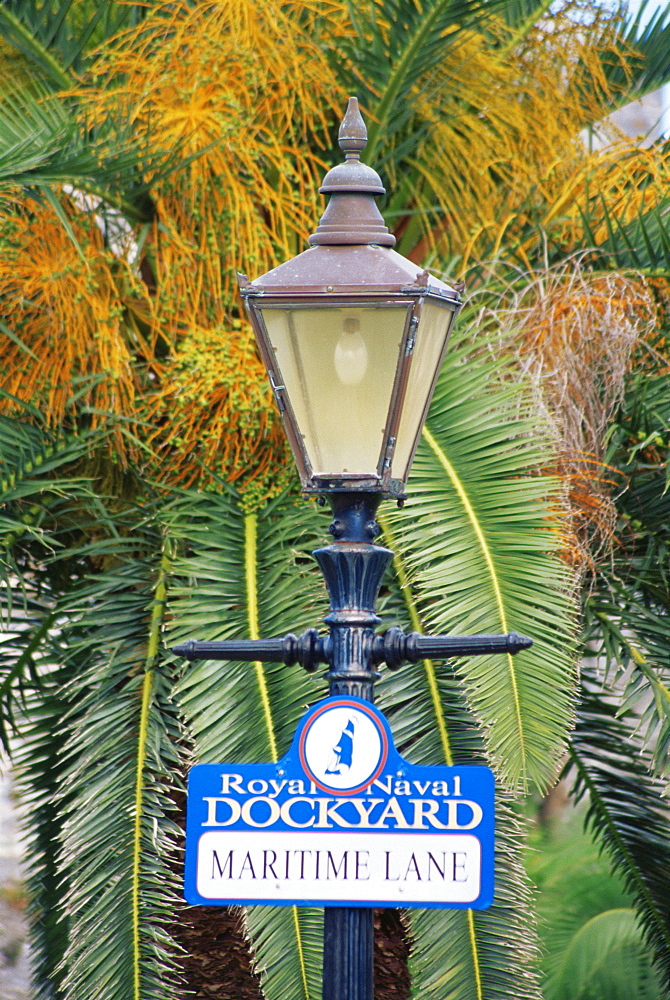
{"points": [[352, 217], [353, 135]]}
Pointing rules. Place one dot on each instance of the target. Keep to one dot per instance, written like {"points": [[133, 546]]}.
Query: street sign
{"points": [[341, 820]]}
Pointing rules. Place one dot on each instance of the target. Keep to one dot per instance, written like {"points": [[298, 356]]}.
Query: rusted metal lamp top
{"points": [[352, 335]]}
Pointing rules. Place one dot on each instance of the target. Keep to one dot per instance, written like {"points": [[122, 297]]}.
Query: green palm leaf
{"points": [[519, 13], [648, 35], [627, 613], [394, 46], [38, 769], [58, 37], [461, 567], [36, 502], [479, 545], [623, 731], [604, 959], [633, 643], [29, 454], [43, 144], [458, 955], [626, 809], [591, 936], [118, 842], [643, 244], [250, 575]]}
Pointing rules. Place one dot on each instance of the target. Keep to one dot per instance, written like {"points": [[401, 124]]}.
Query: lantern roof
{"points": [[354, 269], [351, 250]]}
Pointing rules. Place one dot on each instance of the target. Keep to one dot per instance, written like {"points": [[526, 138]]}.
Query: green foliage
{"points": [[247, 575], [458, 568], [593, 945], [479, 546], [38, 772], [243, 575], [627, 812], [643, 243], [121, 770], [648, 34], [392, 45], [58, 38], [36, 501], [627, 612]]}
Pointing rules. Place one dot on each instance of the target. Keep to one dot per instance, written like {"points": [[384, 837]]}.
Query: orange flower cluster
{"points": [[238, 89], [229, 99], [214, 412], [79, 315]]}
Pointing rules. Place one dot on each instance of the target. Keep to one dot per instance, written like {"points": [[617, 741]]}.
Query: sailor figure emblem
{"points": [[343, 748], [344, 751]]}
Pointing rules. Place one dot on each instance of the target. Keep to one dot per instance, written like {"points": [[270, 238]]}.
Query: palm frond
{"points": [[393, 46], [38, 768], [623, 732], [642, 243], [29, 452], [592, 943], [519, 13], [118, 844], [36, 499], [287, 947], [479, 539], [45, 143], [243, 575], [30, 492], [21, 35], [632, 642], [57, 38], [627, 812], [627, 612], [604, 961], [647, 34], [27, 620], [250, 575], [458, 954]]}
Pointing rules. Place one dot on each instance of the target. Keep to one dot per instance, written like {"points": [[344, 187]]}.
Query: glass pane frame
{"points": [[382, 480], [412, 423]]}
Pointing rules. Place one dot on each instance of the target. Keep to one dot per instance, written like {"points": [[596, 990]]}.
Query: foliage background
{"points": [[147, 153]]}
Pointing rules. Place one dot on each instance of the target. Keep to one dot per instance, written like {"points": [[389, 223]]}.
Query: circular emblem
{"points": [[343, 747]]}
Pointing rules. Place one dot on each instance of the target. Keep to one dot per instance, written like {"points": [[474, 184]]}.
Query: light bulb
{"points": [[351, 354]]}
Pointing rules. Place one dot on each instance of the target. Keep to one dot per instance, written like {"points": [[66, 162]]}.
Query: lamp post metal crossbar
{"points": [[393, 648]]}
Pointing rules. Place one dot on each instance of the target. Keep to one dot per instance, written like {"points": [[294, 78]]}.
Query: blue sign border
{"points": [[474, 782]]}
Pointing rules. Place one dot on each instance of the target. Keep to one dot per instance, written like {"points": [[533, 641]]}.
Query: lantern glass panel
{"points": [[338, 366], [431, 338]]}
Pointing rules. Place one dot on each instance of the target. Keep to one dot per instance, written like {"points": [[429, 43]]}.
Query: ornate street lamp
{"points": [[353, 336]]}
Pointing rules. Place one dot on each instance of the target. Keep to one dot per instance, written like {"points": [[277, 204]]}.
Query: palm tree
{"points": [[105, 555], [591, 930]]}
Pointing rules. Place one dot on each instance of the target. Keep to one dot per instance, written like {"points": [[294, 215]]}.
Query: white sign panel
{"points": [[387, 867]]}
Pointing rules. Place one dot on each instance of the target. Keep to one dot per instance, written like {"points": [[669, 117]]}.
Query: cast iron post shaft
{"points": [[353, 568]]}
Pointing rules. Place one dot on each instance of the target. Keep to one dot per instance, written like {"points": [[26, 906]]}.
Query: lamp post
{"points": [[353, 336]]}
